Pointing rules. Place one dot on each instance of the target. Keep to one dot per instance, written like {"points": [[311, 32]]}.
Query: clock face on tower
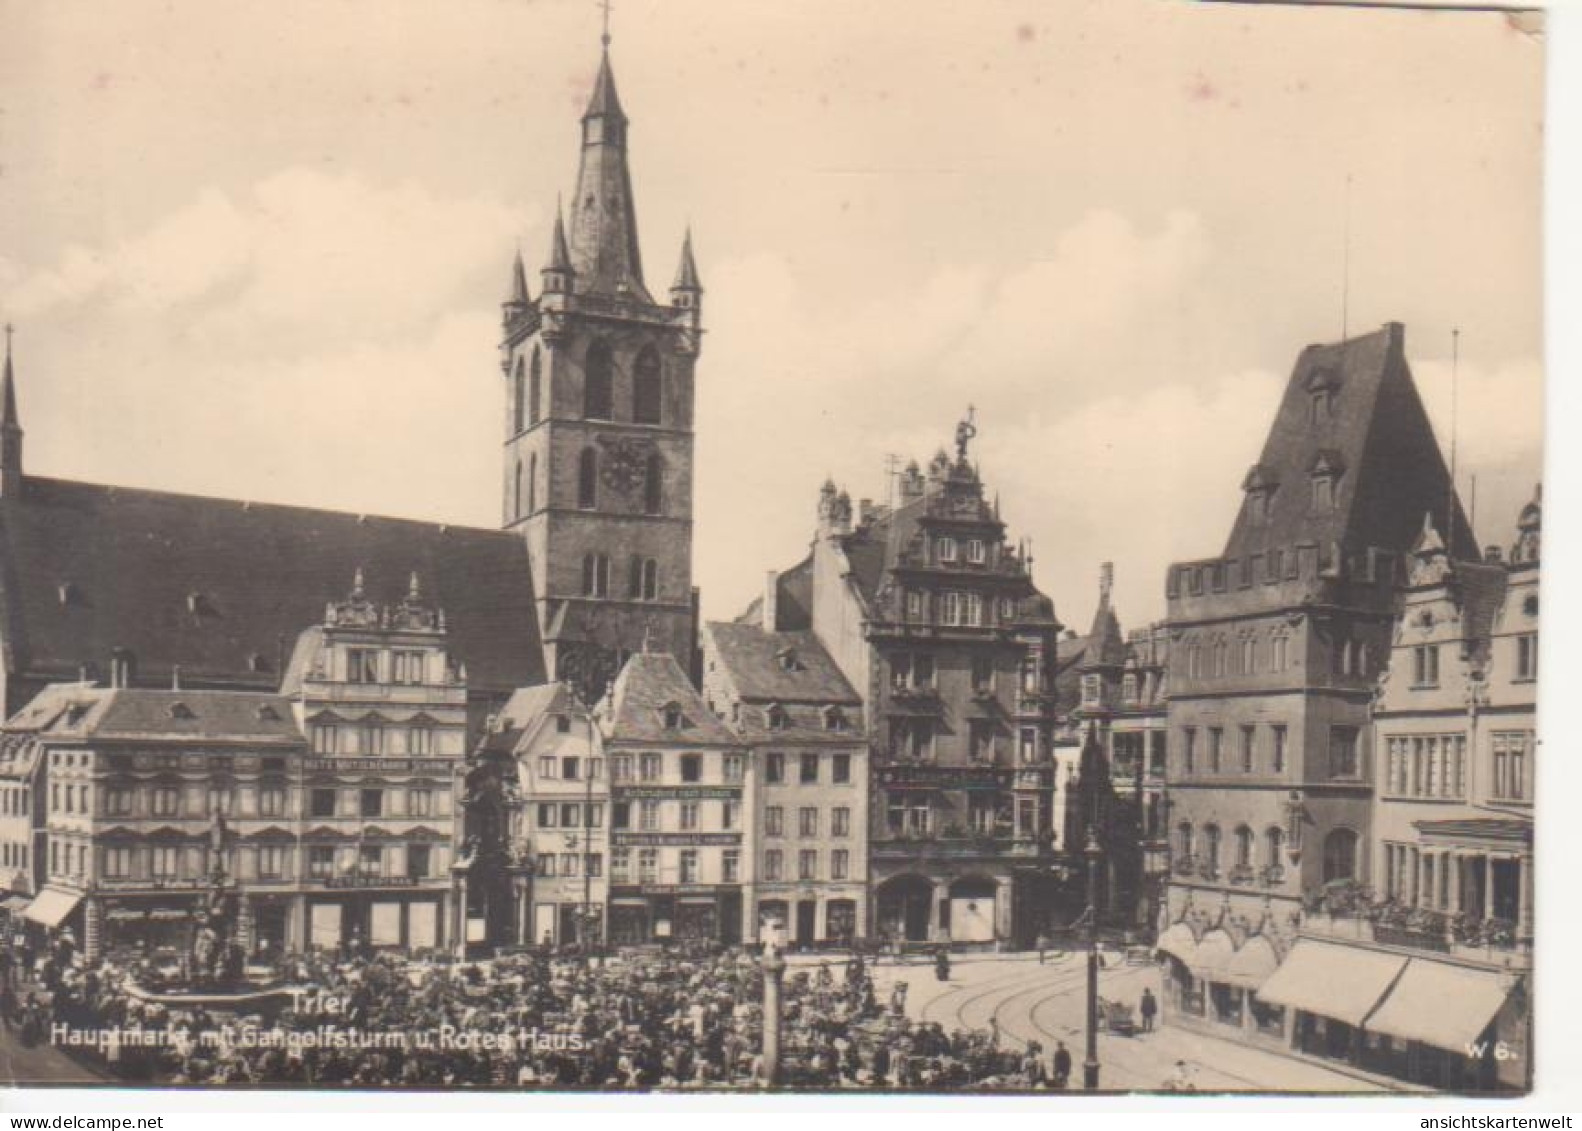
{"points": [[625, 463]]}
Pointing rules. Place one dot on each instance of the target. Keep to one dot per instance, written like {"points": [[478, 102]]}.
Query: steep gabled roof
{"points": [[649, 685], [1372, 434], [222, 588], [757, 664]]}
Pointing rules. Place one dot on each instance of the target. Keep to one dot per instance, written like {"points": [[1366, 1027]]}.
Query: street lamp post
{"points": [[1090, 1066]]}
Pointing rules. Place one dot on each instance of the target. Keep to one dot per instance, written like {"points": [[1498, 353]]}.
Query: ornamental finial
{"points": [[965, 431]]}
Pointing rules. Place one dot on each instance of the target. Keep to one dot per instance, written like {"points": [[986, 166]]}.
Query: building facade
{"points": [[808, 825], [599, 425], [680, 790], [156, 802], [559, 822], [1275, 645], [383, 705], [932, 615]]}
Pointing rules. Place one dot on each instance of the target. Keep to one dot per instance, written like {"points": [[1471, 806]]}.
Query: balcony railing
{"points": [[1392, 923]]}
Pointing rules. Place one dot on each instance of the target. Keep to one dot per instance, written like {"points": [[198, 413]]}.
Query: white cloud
{"points": [[300, 258]]}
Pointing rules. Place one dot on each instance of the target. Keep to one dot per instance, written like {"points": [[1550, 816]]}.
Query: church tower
{"points": [[598, 424]]}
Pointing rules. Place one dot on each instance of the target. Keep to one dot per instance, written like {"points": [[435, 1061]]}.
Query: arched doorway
{"points": [[905, 907], [972, 909]]}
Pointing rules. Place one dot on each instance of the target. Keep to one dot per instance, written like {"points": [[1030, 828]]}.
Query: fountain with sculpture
{"points": [[215, 974]]}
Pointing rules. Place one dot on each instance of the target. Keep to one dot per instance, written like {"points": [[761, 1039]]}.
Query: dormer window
{"points": [[945, 548], [789, 661], [835, 719], [1324, 479], [777, 718], [267, 714], [674, 719], [1260, 485], [1322, 386], [976, 553], [562, 724], [69, 593], [181, 711]]}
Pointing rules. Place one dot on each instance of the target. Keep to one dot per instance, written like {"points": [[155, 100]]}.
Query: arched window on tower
{"points": [[518, 398], [647, 388], [516, 492], [654, 484], [534, 388], [532, 483], [598, 398], [588, 479]]}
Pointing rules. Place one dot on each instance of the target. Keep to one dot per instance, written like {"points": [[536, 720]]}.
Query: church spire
{"points": [[10, 427], [603, 236]]}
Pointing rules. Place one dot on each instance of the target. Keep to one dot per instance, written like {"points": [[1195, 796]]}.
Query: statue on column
{"points": [[210, 949]]}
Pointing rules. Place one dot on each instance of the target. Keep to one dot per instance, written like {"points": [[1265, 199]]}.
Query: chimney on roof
{"points": [[771, 602], [1493, 555]]}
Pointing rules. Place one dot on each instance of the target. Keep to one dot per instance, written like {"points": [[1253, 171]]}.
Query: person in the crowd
{"points": [[688, 1018]]}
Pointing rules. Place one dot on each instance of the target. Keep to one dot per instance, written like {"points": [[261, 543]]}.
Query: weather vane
{"points": [[965, 431], [605, 38]]}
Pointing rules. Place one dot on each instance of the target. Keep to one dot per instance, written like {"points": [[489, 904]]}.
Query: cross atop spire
{"points": [[605, 38]]}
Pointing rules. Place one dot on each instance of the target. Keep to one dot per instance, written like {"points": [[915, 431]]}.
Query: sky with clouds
{"points": [[257, 249]]}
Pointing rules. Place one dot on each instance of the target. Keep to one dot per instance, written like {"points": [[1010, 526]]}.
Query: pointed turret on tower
{"points": [[686, 290], [558, 271], [10, 428], [519, 299]]}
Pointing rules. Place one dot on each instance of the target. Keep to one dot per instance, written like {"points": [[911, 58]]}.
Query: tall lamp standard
{"points": [[1090, 1066]]}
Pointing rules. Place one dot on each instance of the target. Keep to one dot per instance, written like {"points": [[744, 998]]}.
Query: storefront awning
{"points": [[14, 903], [1212, 957], [1252, 965], [51, 906], [1440, 1004], [1339, 982], [1179, 941]]}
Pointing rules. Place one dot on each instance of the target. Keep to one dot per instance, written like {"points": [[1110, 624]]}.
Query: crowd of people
{"points": [[636, 1021]]}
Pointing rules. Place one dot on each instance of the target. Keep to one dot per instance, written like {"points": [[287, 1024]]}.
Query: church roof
{"points": [[650, 684], [222, 588], [1374, 439]]}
